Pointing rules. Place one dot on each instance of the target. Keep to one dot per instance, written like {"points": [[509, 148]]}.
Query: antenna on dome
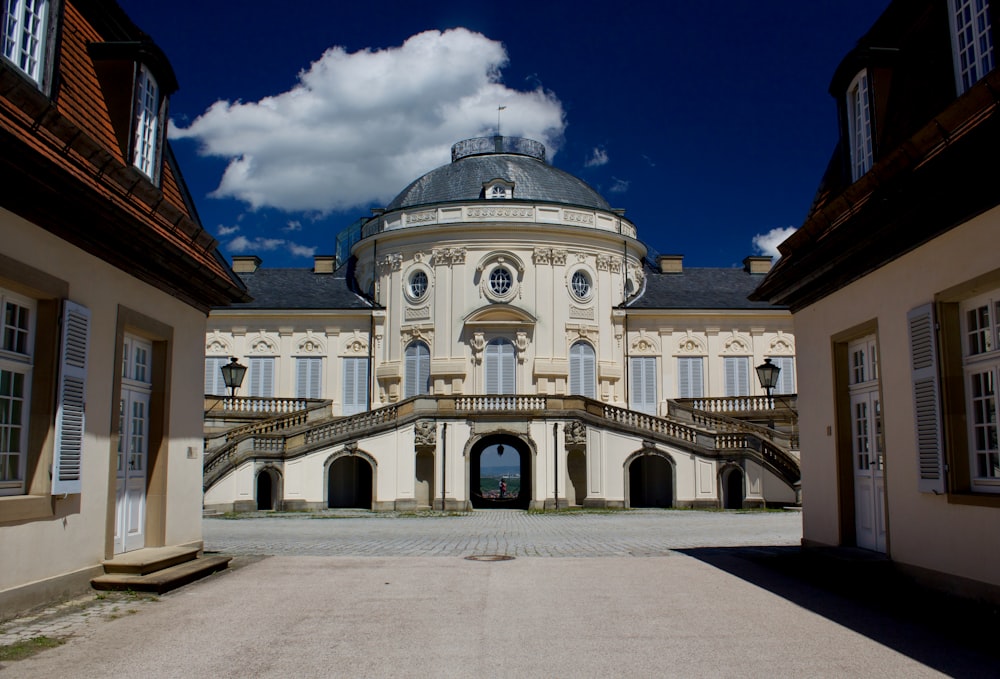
{"points": [[499, 108]]}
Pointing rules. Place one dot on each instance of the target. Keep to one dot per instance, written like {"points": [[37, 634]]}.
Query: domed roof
{"points": [[478, 161]]}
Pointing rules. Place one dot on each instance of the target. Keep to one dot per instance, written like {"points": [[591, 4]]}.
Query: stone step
{"points": [[165, 579], [150, 559]]}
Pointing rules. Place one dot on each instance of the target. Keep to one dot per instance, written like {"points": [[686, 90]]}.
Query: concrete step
{"points": [[165, 579], [150, 559]]}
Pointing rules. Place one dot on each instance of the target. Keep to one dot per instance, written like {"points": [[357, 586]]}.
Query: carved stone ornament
{"points": [[782, 345], [690, 345], [392, 262], [448, 256], [576, 433], [583, 313], [643, 345], [501, 212], [351, 447], [217, 345], [262, 345], [542, 256], [421, 217], [578, 217], [310, 345], [477, 344], [521, 342], [603, 262], [356, 344], [558, 257], [736, 346], [424, 433]]}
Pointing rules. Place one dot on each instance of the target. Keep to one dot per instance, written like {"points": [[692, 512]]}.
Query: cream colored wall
{"points": [[924, 530], [76, 536]]}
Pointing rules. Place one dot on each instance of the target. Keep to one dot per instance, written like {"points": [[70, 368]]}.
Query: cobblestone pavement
{"points": [[635, 533], [506, 532]]}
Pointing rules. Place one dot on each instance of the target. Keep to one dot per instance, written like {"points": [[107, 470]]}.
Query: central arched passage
{"points": [[650, 482], [350, 483], [500, 473]]}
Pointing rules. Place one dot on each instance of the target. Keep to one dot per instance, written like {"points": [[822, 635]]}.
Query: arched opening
{"points": [[576, 477], [350, 483], [265, 490], [424, 481], [733, 488], [500, 473], [651, 482]]}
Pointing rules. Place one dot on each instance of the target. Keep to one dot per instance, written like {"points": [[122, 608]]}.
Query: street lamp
{"points": [[232, 374], [767, 373]]}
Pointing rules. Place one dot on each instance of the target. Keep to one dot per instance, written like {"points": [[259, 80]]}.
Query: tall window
{"points": [[690, 377], [15, 384], [499, 363], [737, 375], [260, 377], [417, 362], [308, 377], [859, 128], [972, 41], [582, 370], [355, 386], [214, 384], [24, 27], [981, 358], [786, 375], [642, 383], [147, 124]]}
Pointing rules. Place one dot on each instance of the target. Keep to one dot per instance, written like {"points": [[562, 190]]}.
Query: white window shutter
{"points": [[71, 400], [355, 385], [417, 368], [926, 399], [643, 384], [507, 369], [308, 377], [732, 378], [582, 370]]}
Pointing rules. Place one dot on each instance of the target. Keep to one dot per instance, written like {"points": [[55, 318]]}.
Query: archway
{"points": [[265, 490], [651, 482], [350, 483], [500, 473], [733, 488], [576, 477]]}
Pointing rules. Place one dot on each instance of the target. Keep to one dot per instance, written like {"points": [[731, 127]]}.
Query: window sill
{"points": [[974, 499], [27, 508]]}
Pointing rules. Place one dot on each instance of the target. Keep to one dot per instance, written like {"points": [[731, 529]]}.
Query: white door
{"points": [[869, 464], [133, 446]]}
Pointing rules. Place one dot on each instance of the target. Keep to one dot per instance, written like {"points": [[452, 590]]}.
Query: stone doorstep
{"points": [[149, 559], [165, 579]]}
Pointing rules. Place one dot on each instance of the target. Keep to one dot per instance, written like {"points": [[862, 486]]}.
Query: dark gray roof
{"points": [[698, 288], [534, 180], [300, 289]]}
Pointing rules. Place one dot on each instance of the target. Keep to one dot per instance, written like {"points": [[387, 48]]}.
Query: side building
{"points": [[499, 303], [894, 285], [106, 278]]}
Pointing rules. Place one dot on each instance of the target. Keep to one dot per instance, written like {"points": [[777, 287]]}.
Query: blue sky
{"points": [[709, 123]]}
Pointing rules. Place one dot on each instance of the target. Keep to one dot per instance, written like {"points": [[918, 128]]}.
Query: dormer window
{"points": [[24, 24], [859, 128], [146, 154], [972, 41], [498, 189]]}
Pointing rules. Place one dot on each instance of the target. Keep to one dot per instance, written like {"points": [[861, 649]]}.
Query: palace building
{"points": [[496, 304]]}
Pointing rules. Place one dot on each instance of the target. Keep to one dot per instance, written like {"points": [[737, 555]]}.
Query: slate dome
{"points": [[477, 161]]}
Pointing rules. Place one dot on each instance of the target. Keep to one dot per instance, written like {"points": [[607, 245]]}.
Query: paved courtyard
{"points": [[637, 594], [507, 532]]}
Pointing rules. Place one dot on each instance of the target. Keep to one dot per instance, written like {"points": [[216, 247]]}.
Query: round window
{"points": [[580, 285], [500, 281], [418, 284]]}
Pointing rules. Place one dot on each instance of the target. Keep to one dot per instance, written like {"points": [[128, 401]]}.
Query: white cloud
{"points": [[358, 127], [618, 185], [256, 245], [767, 243], [597, 158], [293, 225], [227, 230]]}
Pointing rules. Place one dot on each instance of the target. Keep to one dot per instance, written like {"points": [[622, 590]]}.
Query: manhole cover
{"points": [[489, 557]]}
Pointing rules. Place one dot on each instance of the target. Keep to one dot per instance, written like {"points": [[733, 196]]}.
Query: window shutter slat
{"points": [[926, 399], [70, 409]]}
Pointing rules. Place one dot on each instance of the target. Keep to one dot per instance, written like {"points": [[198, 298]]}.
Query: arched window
{"points": [[499, 362], [582, 370], [418, 369]]}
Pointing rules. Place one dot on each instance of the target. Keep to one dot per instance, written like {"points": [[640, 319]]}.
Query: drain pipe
{"points": [[555, 448], [444, 460]]}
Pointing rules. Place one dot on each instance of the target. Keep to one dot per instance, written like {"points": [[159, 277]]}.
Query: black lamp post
{"points": [[767, 373], [232, 374]]}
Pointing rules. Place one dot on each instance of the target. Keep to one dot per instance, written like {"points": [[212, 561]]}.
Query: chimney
{"points": [[246, 263], [757, 264], [324, 263], [671, 263]]}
